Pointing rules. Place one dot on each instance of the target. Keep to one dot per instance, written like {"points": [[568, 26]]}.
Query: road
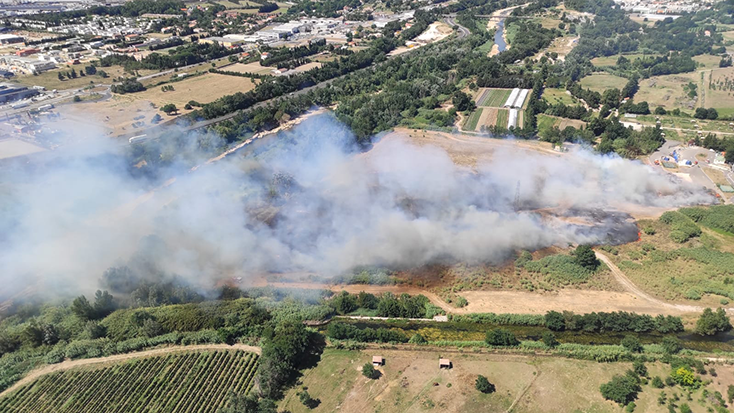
{"points": [[628, 285], [462, 31]]}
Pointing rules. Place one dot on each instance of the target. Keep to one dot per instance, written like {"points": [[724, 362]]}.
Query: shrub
{"points": [[685, 378], [417, 339], [549, 339], [657, 382], [682, 227], [584, 257], [484, 386], [639, 368], [501, 337], [671, 345]]}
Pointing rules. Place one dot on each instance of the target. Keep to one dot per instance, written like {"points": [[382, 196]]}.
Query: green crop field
{"points": [[502, 117], [493, 98], [473, 119], [177, 382]]}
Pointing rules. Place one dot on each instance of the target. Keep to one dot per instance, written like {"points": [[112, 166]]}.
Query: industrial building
{"points": [[10, 39], [9, 93]]}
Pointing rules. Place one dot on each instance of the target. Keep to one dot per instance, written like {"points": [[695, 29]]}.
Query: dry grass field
{"points": [[553, 96], [667, 91], [720, 93], [204, 89], [411, 381], [602, 82], [249, 68]]}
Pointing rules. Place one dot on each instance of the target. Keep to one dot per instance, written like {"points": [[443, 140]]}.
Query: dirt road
{"points": [[633, 289], [122, 357]]}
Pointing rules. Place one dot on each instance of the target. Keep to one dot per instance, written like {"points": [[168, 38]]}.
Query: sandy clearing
{"points": [[69, 364]]}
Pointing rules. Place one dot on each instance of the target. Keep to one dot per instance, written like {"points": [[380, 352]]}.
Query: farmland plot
{"points": [[177, 382], [493, 98]]}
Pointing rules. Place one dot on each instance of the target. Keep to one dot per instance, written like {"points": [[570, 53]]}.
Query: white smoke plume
{"points": [[308, 200]]}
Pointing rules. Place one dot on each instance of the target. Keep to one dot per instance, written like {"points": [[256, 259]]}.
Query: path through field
{"points": [[68, 364]]}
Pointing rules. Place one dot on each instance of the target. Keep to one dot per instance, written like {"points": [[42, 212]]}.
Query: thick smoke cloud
{"points": [[309, 201]]}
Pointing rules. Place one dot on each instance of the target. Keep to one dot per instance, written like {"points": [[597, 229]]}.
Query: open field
{"points": [[612, 60], [470, 123], [546, 122], [411, 381], [600, 82], [707, 61], [204, 89], [50, 79], [249, 68], [178, 382], [553, 96], [489, 117], [719, 90], [698, 271], [494, 98], [667, 91], [12, 147]]}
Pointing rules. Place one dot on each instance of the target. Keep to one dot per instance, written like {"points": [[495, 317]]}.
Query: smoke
{"points": [[308, 200]]}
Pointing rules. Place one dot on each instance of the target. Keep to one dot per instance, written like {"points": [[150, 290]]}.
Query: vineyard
{"points": [[179, 382]]}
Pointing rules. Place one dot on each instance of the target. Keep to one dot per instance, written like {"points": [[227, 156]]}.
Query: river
{"points": [[499, 40]]}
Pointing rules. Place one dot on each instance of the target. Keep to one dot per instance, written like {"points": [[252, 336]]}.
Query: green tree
{"points": [[549, 339], [344, 303], [621, 389], [710, 323], [632, 344], [671, 345], [730, 393], [82, 308], [169, 108], [501, 337], [77, 98], [61, 76], [417, 339], [463, 102], [104, 304], [555, 321], [684, 408], [585, 257], [483, 385], [369, 371], [639, 368]]}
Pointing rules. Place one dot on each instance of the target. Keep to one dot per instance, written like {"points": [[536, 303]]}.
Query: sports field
{"points": [[493, 98], [179, 382]]}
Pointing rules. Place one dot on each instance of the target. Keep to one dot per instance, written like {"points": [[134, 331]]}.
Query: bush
{"points": [[671, 345], [685, 377], [501, 337], [639, 368], [417, 339], [484, 386], [657, 382], [584, 257]]}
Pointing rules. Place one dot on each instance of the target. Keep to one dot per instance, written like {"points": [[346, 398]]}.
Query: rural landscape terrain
{"points": [[367, 205]]}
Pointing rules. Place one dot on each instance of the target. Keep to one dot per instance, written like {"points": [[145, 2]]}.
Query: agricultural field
{"points": [[502, 117], [687, 123], [249, 68], [546, 122], [470, 123], [601, 82], [410, 381], [699, 270], [178, 382], [493, 98]]}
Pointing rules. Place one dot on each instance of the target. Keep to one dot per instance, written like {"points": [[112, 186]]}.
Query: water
{"points": [[498, 39]]}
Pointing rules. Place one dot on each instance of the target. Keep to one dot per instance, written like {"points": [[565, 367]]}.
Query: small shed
{"points": [[378, 361], [444, 363]]}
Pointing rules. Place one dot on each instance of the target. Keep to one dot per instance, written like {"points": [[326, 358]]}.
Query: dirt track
{"points": [[68, 364]]}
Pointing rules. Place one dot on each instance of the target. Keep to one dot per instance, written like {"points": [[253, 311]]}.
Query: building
{"points": [[9, 93], [26, 64], [26, 52], [444, 364], [10, 39], [378, 361], [223, 41]]}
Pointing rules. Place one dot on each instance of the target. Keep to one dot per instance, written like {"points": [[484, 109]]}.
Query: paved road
{"points": [[463, 31]]}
